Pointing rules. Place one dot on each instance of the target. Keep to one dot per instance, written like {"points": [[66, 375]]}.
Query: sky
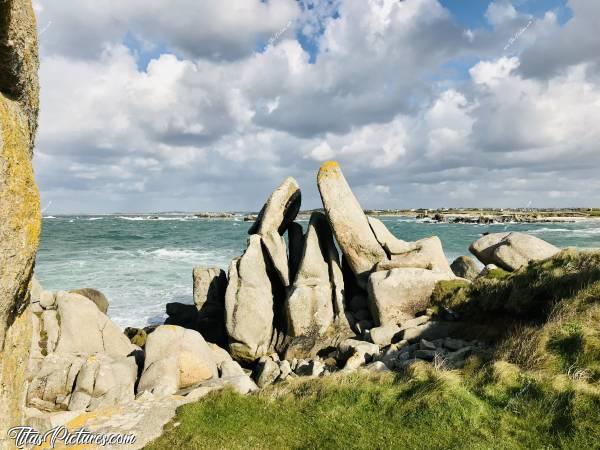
{"points": [[181, 105]]}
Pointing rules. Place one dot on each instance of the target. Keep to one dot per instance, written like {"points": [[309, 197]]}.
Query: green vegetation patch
{"points": [[498, 408]]}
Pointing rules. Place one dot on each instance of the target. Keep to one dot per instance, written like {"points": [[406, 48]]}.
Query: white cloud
{"points": [[211, 123]]}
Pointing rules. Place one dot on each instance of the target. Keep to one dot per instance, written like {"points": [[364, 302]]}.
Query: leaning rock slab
{"points": [[511, 251], [396, 295], [280, 210], [349, 223], [249, 304], [423, 254], [176, 358]]}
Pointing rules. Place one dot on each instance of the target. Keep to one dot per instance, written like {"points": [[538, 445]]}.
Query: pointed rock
{"points": [[349, 223], [315, 307], [280, 210], [249, 304], [310, 305]]}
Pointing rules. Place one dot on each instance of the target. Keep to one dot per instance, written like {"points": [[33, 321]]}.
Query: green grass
{"points": [[498, 408], [539, 389]]}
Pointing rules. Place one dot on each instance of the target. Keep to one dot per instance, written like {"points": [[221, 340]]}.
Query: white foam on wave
{"points": [[181, 254], [48, 217], [177, 219], [158, 218], [132, 218], [587, 231], [548, 230], [95, 218], [568, 232]]}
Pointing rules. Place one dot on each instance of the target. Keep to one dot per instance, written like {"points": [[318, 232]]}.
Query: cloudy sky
{"points": [[156, 105]]}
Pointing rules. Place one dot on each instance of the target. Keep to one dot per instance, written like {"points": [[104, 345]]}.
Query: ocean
{"points": [[143, 262]]}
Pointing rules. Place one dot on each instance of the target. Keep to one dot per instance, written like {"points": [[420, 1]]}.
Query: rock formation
{"points": [[285, 310], [511, 251], [79, 358], [280, 209], [397, 295], [255, 318], [19, 201], [210, 284], [249, 304], [465, 267], [95, 296], [176, 358], [315, 307], [348, 222]]}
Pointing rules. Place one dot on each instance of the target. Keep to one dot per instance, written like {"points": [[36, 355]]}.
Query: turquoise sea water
{"points": [[142, 263]]}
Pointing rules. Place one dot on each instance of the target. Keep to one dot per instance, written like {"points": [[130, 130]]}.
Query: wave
{"points": [[548, 230], [178, 254], [48, 217], [132, 218], [572, 232], [159, 218], [587, 231], [95, 218]]}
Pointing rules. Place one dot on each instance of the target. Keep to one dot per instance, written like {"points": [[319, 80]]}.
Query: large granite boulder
{"points": [[249, 304], [176, 358], [348, 222], [52, 383], [19, 201], [465, 267], [511, 251], [396, 295], [70, 381], [104, 380], [84, 329], [95, 296], [280, 209], [316, 300], [76, 347]]}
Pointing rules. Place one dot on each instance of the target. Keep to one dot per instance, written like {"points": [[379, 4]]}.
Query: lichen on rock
{"points": [[19, 201]]}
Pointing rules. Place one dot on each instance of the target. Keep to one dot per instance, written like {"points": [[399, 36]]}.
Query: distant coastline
{"points": [[440, 215]]}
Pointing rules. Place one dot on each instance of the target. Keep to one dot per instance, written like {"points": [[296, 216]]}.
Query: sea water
{"points": [[143, 262]]}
